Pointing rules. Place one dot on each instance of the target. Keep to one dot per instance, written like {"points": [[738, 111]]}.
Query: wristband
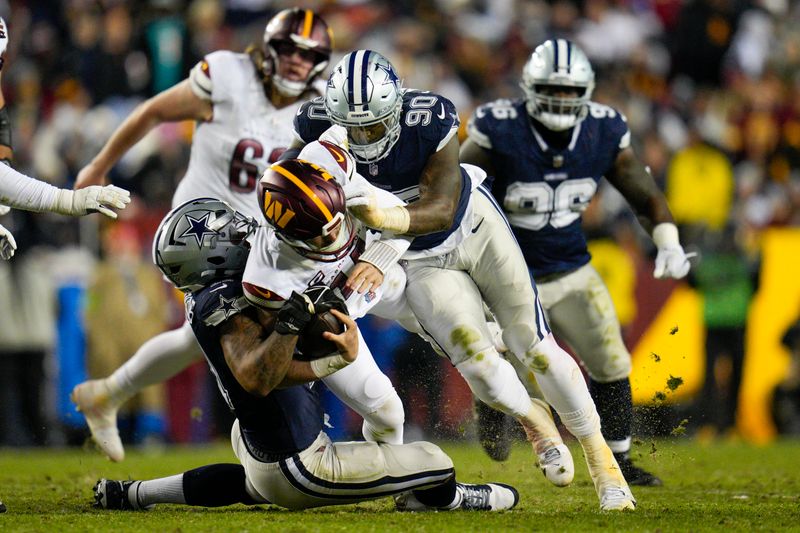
{"points": [[396, 219], [325, 366], [380, 255], [665, 235]]}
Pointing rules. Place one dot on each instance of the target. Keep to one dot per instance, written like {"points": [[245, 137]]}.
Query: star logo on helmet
{"points": [[228, 306], [391, 75], [198, 228]]}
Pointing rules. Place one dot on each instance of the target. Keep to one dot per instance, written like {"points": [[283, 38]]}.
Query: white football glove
{"points": [[4, 210], [7, 244], [92, 199], [361, 202], [3, 41], [671, 261]]}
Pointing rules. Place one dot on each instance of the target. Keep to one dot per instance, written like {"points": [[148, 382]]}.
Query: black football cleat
{"points": [[494, 431], [113, 495], [635, 475]]}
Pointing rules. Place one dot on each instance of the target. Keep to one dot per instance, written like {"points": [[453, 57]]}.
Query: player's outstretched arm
{"points": [[175, 104], [636, 184], [474, 154]]}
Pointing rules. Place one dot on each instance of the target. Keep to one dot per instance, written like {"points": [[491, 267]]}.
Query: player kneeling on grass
{"points": [[286, 459]]}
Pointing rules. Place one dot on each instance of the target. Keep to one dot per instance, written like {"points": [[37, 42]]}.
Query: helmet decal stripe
{"points": [[351, 66], [303, 187], [555, 53], [308, 23], [364, 76], [569, 57], [562, 62]]}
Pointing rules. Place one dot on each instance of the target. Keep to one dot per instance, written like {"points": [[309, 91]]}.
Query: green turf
{"points": [[724, 487]]}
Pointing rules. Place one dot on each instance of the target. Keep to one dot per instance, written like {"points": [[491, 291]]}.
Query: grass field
{"points": [[726, 486]]}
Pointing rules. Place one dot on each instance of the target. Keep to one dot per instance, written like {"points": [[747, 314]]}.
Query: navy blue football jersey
{"points": [[543, 190], [286, 420], [427, 122]]}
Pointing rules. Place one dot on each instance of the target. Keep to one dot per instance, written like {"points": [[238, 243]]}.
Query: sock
{"points": [[444, 496], [162, 490], [155, 361], [216, 485], [615, 407]]}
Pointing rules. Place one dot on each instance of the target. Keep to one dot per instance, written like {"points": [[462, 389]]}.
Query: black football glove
{"points": [[294, 315], [324, 299]]}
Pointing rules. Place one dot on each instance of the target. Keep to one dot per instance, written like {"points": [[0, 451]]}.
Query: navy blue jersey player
{"points": [[547, 153], [463, 254], [285, 457]]}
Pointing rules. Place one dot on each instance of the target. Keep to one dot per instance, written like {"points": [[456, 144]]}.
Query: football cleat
{"points": [[635, 475], [3, 508], [494, 431], [557, 465], [487, 497], [96, 402], [617, 499], [113, 495]]}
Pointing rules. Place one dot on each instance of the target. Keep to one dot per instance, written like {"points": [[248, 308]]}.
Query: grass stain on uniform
{"points": [[463, 337], [540, 363]]}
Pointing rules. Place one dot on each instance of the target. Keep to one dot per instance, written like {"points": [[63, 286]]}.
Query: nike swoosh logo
{"points": [[478, 226], [441, 115], [219, 288]]}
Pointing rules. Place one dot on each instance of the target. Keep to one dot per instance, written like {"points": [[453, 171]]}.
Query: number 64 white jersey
{"points": [[246, 134]]}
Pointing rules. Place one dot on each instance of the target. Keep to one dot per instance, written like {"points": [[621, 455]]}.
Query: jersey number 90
{"points": [[534, 205]]}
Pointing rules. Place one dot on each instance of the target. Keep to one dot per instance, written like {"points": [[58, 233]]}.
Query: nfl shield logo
{"points": [[373, 169], [558, 160]]}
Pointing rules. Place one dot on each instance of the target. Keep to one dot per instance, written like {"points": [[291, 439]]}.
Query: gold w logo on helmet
{"points": [[276, 212]]}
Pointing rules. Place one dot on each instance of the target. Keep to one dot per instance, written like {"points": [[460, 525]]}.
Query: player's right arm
{"points": [[177, 103], [259, 364]]}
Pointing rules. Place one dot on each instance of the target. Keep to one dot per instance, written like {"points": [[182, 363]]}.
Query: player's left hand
{"points": [[7, 244], [671, 261], [3, 41], [364, 277], [347, 341]]}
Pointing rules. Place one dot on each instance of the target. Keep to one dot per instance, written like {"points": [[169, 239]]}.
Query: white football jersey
{"points": [[275, 269], [246, 134]]}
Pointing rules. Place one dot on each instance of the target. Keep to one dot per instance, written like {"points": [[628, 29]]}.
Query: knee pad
{"points": [[493, 380], [520, 338], [386, 423]]}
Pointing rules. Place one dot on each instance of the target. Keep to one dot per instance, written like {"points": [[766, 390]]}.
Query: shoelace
{"points": [[475, 497], [552, 455]]}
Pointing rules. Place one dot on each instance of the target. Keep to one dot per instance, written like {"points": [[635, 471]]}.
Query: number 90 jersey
{"points": [[428, 121], [543, 190], [245, 135]]}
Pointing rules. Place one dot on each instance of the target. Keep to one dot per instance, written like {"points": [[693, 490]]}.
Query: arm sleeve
{"points": [[23, 192]]}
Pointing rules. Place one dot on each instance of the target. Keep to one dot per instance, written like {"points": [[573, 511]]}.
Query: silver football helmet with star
{"points": [[558, 81], [364, 94], [203, 240]]}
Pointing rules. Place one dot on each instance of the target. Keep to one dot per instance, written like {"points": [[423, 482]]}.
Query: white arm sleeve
{"points": [[23, 192]]}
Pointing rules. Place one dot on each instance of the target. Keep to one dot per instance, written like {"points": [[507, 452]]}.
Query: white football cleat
{"points": [[557, 465], [96, 402], [617, 499], [485, 497]]}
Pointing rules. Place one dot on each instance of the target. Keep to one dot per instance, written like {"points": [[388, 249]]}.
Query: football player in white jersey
{"points": [[547, 152], [22, 192], [243, 105]]}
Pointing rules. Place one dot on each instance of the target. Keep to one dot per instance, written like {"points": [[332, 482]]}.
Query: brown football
{"points": [[311, 345]]}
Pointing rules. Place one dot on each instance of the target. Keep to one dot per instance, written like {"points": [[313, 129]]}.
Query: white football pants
{"points": [[339, 473]]}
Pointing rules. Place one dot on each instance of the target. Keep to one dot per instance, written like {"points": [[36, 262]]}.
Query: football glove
{"points": [[7, 244], [324, 299], [361, 202], [671, 261], [4, 210], [92, 199], [3, 41], [294, 315]]}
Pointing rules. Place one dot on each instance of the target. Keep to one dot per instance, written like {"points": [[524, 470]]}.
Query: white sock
{"points": [[155, 361], [162, 490]]}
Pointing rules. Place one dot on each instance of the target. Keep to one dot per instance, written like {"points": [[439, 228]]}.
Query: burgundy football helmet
{"points": [[306, 207], [298, 28]]}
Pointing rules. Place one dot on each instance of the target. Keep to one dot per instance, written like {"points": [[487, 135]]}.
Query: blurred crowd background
{"points": [[710, 88]]}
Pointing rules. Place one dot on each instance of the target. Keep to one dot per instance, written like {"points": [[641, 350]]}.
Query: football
{"points": [[311, 345]]}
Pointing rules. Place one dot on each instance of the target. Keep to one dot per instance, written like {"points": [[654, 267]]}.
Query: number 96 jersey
{"points": [[245, 135], [544, 190]]}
